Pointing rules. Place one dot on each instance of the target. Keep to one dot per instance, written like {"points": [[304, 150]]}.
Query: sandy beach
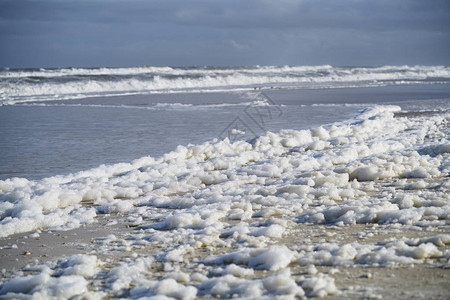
{"points": [[426, 279]]}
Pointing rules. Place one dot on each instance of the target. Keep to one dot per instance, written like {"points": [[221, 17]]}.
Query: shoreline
{"points": [[79, 143]]}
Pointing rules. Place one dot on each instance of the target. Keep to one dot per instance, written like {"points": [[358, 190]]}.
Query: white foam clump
{"points": [[44, 286], [272, 258], [238, 271], [280, 284], [64, 279], [384, 253], [320, 286], [129, 274], [84, 265], [227, 286], [132, 276], [272, 231]]}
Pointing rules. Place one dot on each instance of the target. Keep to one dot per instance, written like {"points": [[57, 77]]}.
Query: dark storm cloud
{"points": [[205, 32]]}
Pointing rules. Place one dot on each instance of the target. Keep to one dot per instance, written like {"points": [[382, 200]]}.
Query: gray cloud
{"points": [[231, 32]]}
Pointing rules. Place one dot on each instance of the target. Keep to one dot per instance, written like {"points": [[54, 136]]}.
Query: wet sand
{"points": [[427, 280]]}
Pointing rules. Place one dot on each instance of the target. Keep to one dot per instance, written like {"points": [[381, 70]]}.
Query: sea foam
{"points": [[340, 163]]}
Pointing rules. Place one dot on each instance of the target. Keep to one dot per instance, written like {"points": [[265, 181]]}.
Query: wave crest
{"points": [[24, 85]]}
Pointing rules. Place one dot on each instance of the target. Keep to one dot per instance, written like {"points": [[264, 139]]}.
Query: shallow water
{"points": [[45, 138]]}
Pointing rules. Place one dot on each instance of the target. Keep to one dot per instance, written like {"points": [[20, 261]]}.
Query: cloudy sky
{"points": [[92, 33]]}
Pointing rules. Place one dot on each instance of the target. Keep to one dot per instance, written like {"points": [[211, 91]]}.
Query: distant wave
{"points": [[25, 85], [158, 106]]}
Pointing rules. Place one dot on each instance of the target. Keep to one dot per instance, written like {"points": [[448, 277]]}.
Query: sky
{"points": [[120, 33]]}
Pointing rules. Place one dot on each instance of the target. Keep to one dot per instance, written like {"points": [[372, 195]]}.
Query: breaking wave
{"points": [[25, 85]]}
